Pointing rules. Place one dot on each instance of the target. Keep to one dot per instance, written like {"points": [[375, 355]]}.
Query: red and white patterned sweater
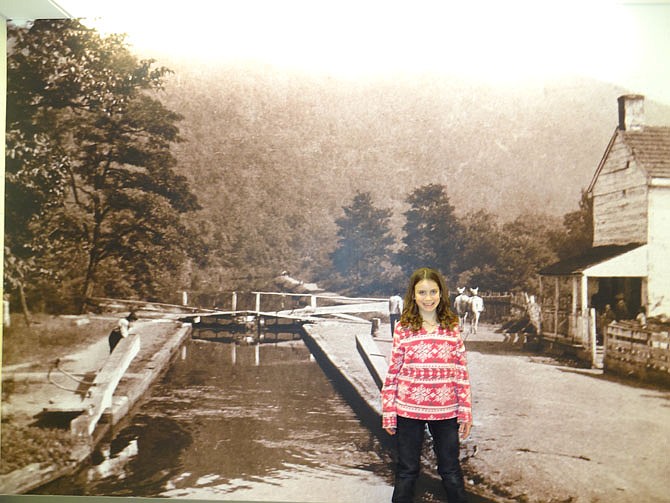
{"points": [[427, 377]]}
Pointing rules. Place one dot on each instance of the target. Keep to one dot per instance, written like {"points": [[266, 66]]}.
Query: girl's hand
{"points": [[390, 431], [464, 430]]}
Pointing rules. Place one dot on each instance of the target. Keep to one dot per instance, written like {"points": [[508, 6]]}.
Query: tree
{"points": [[479, 261], [433, 234], [364, 244], [525, 248], [92, 195], [577, 234]]}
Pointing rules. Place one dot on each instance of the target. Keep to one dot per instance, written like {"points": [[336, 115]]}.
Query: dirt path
{"points": [[549, 432], [29, 388]]}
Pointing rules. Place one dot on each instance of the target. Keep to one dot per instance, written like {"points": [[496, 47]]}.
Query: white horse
{"points": [[461, 304], [475, 308]]}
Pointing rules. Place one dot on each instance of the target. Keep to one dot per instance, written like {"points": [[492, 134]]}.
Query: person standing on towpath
{"points": [[427, 383], [395, 310], [121, 331]]}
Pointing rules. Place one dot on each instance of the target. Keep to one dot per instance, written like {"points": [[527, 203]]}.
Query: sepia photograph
{"points": [[327, 252]]}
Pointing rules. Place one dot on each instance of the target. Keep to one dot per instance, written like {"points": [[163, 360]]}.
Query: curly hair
{"points": [[411, 317]]}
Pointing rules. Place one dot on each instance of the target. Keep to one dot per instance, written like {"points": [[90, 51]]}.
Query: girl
{"points": [[427, 382]]}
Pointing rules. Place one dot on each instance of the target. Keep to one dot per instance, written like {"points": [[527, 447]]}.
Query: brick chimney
{"points": [[631, 112]]}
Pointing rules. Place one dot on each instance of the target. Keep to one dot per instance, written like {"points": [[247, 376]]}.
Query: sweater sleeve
{"points": [[390, 388], [462, 382]]}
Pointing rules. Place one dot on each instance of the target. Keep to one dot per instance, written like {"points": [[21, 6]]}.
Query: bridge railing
{"points": [[267, 301]]}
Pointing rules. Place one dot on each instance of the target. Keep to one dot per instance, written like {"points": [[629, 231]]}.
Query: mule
{"points": [[475, 308], [461, 305]]}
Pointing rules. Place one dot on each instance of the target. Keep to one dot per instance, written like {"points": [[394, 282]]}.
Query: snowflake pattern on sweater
{"points": [[427, 377]]}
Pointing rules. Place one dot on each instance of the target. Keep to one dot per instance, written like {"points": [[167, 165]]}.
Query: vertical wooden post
{"points": [[6, 316], [585, 293], [257, 354], [586, 313], [233, 356], [258, 302], [574, 323], [644, 295], [312, 301], [592, 337], [233, 306], [374, 329], [556, 299], [541, 302]]}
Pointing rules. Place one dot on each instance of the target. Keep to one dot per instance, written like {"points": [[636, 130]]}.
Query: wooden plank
{"points": [[105, 384], [367, 307], [374, 359]]}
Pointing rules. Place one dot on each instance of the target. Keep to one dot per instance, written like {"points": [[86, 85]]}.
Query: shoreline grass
{"points": [[49, 337]]}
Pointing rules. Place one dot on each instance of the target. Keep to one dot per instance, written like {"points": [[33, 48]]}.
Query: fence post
{"points": [[592, 336], [312, 301], [6, 317], [556, 297], [258, 302], [233, 306], [374, 330]]}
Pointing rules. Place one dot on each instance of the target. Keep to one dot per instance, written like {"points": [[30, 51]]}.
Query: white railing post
{"points": [[312, 301], [233, 302], [258, 302], [6, 317]]}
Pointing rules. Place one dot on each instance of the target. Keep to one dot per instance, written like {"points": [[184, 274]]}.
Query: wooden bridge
{"points": [[261, 325], [270, 313], [250, 326]]}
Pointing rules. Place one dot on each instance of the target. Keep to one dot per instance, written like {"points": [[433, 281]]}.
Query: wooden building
{"points": [[630, 257]]}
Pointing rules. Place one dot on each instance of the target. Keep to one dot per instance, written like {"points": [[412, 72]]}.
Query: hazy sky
{"points": [[625, 43]]}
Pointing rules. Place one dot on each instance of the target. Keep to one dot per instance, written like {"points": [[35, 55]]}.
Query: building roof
{"points": [[594, 256], [651, 149], [649, 146]]}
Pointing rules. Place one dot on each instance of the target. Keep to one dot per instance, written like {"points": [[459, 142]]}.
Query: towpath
{"points": [[547, 431], [36, 386]]}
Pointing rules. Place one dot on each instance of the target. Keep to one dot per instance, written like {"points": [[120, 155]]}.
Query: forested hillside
{"points": [[128, 177], [273, 155]]}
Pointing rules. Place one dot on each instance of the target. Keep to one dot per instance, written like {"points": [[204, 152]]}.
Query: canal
{"points": [[242, 422]]}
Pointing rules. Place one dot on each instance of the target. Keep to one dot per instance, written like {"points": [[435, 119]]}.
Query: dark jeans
{"points": [[409, 435]]}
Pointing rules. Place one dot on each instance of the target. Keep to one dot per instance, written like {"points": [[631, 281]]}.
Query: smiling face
{"points": [[427, 298]]}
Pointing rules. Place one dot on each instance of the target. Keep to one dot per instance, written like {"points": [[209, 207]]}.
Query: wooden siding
{"points": [[658, 283], [620, 200]]}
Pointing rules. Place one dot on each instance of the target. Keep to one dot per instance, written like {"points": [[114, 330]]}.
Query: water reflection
{"points": [[256, 423], [242, 424]]}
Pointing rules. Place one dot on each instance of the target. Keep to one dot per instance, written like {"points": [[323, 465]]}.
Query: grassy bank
{"points": [[47, 338], [24, 445]]}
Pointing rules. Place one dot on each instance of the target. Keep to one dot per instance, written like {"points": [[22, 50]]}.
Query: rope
{"points": [[56, 366]]}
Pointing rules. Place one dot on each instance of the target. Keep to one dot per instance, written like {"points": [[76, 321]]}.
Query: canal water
{"points": [[242, 423]]}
